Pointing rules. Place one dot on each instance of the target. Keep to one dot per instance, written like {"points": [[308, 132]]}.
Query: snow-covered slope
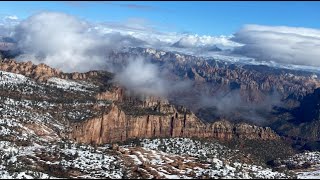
{"points": [[69, 84], [67, 159], [306, 165], [11, 78]]}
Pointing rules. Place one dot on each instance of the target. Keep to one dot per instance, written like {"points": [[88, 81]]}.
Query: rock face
{"points": [[115, 95], [42, 72], [304, 121], [39, 72], [115, 125]]}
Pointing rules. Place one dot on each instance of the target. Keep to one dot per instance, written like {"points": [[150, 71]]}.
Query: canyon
{"points": [[48, 115], [116, 123]]}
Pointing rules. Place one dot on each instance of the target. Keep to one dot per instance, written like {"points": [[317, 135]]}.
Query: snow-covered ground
{"points": [[66, 159], [70, 84], [217, 161], [57, 160], [11, 78], [313, 173], [306, 165]]}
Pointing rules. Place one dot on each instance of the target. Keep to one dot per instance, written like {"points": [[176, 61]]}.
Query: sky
{"points": [[203, 18]]}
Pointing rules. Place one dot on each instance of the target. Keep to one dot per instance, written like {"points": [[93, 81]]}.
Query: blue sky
{"points": [[203, 18]]}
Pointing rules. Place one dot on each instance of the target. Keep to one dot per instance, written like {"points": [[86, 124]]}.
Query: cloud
{"points": [[143, 77], [72, 44], [66, 42], [193, 41], [234, 106], [171, 41], [11, 17], [280, 44], [59, 40], [205, 45], [7, 23], [140, 29]]}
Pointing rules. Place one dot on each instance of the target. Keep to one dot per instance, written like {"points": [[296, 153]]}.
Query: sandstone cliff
{"points": [[43, 72], [115, 125]]}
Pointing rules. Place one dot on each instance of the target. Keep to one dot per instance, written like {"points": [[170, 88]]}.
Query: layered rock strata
{"points": [[115, 125]]}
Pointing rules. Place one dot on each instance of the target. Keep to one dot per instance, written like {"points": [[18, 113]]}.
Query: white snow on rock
{"points": [[11, 78], [69, 84]]}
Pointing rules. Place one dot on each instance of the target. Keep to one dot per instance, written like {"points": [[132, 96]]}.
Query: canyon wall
{"points": [[116, 125]]}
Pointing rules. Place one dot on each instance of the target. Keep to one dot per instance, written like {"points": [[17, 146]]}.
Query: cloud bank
{"points": [[71, 44], [66, 42], [232, 105], [73, 37], [280, 44], [193, 41], [167, 40]]}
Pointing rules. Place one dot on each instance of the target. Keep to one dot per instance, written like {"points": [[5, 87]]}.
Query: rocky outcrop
{"points": [[42, 72], [304, 121], [114, 95], [131, 117], [116, 125], [39, 72]]}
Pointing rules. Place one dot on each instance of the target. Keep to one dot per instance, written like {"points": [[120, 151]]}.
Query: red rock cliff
{"points": [[115, 125]]}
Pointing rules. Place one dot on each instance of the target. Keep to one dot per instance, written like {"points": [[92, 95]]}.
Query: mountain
{"points": [[284, 99], [54, 123], [213, 48], [257, 84], [302, 123], [8, 48], [129, 116]]}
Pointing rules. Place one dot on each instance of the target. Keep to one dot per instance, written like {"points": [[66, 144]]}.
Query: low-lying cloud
{"points": [[143, 77], [234, 106], [287, 45], [71, 44], [196, 41], [66, 42]]}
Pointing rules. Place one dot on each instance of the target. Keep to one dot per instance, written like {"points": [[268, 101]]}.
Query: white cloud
{"points": [[180, 42], [192, 41], [11, 17], [61, 40], [143, 32], [71, 44], [281, 44], [7, 24], [142, 77], [65, 30], [66, 42]]}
